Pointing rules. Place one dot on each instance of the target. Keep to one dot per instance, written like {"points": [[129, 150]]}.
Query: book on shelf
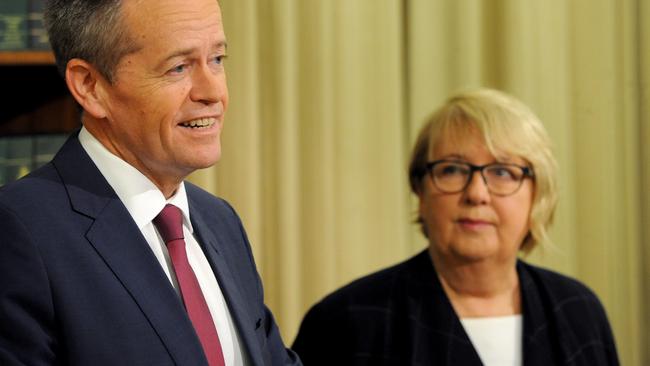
{"points": [[38, 39], [21, 154], [13, 25], [45, 147], [17, 157]]}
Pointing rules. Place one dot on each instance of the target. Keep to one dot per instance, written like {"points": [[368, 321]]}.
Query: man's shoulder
{"points": [[39, 184], [212, 209], [200, 198]]}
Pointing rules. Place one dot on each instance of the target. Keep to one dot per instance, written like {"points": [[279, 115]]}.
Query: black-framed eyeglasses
{"points": [[453, 176]]}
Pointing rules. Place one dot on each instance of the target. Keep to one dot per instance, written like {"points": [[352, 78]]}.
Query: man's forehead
{"points": [[188, 51], [161, 13], [170, 21]]}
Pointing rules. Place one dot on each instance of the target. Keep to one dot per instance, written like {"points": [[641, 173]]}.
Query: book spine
{"points": [[13, 25], [21, 154], [38, 39], [46, 146], [18, 159]]}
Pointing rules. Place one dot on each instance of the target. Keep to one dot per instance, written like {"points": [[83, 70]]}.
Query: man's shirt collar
{"points": [[140, 195]]}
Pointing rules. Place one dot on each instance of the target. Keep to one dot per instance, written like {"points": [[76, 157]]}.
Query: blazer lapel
{"points": [[439, 327], [211, 241], [117, 239], [539, 339]]}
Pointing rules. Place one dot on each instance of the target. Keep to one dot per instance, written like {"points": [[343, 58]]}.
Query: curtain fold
{"points": [[643, 45], [328, 95], [313, 143], [605, 106]]}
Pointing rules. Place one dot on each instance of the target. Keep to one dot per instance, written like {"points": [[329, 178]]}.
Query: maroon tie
{"points": [[169, 223]]}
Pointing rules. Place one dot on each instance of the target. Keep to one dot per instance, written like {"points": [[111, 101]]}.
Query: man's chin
{"points": [[205, 161]]}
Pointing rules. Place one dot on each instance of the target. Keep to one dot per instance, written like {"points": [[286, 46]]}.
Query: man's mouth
{"points": [[199, 123]]}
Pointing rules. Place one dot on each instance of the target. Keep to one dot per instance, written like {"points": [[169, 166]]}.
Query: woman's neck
{"points": [[480, 288]]}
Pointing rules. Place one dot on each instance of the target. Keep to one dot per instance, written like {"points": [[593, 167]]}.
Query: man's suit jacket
{"points": [[79, 284], [401, 316]]}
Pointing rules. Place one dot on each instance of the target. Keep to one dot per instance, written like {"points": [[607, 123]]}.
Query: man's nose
{"points": [[208, 85]]}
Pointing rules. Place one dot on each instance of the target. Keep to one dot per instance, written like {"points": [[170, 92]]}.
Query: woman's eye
{"points": [[452, 170], [503, 172]]}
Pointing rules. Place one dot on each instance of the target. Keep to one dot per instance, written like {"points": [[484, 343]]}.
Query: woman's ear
{"points": [[85, 84]]}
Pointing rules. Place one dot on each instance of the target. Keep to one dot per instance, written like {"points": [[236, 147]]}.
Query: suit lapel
{"points": [[211, 241], [117, 239]]}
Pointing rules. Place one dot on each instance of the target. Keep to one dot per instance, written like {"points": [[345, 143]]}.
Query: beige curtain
{"points": [[326, 98], [314, 143], [643, 41]]}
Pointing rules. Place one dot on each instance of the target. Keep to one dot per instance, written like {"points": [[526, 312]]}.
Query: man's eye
{"points": [[219, 59], [178, 69]]}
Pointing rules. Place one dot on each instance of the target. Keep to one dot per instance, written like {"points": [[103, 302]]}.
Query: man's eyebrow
{"points": [[188, 51]]}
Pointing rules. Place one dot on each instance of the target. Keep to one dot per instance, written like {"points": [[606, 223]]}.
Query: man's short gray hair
{"points": [[92, 30]]}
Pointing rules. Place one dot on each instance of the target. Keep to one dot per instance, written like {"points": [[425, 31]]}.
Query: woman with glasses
{"points": [[485, 177]]}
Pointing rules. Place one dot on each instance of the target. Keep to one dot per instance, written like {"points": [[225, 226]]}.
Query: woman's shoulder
{"points": [[564, 296], [367, 319], [558, 285], [379, 287], [578, 317]]}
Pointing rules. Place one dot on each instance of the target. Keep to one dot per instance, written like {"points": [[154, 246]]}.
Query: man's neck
{"points": [[166, 183]]}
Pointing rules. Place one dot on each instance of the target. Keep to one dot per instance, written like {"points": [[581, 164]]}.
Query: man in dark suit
{"points": [[106, 256]]}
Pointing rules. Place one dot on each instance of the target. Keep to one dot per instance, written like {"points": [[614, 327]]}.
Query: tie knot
{"points": [[169, 223]]}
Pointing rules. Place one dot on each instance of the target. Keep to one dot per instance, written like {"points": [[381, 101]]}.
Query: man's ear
{"points": [[85, 84]]}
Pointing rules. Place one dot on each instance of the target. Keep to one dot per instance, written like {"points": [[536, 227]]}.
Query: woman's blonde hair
{"points": [[507, 126]]}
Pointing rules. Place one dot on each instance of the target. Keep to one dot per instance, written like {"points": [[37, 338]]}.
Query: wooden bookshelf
{"points": [[26, 58], [36, 100]]}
